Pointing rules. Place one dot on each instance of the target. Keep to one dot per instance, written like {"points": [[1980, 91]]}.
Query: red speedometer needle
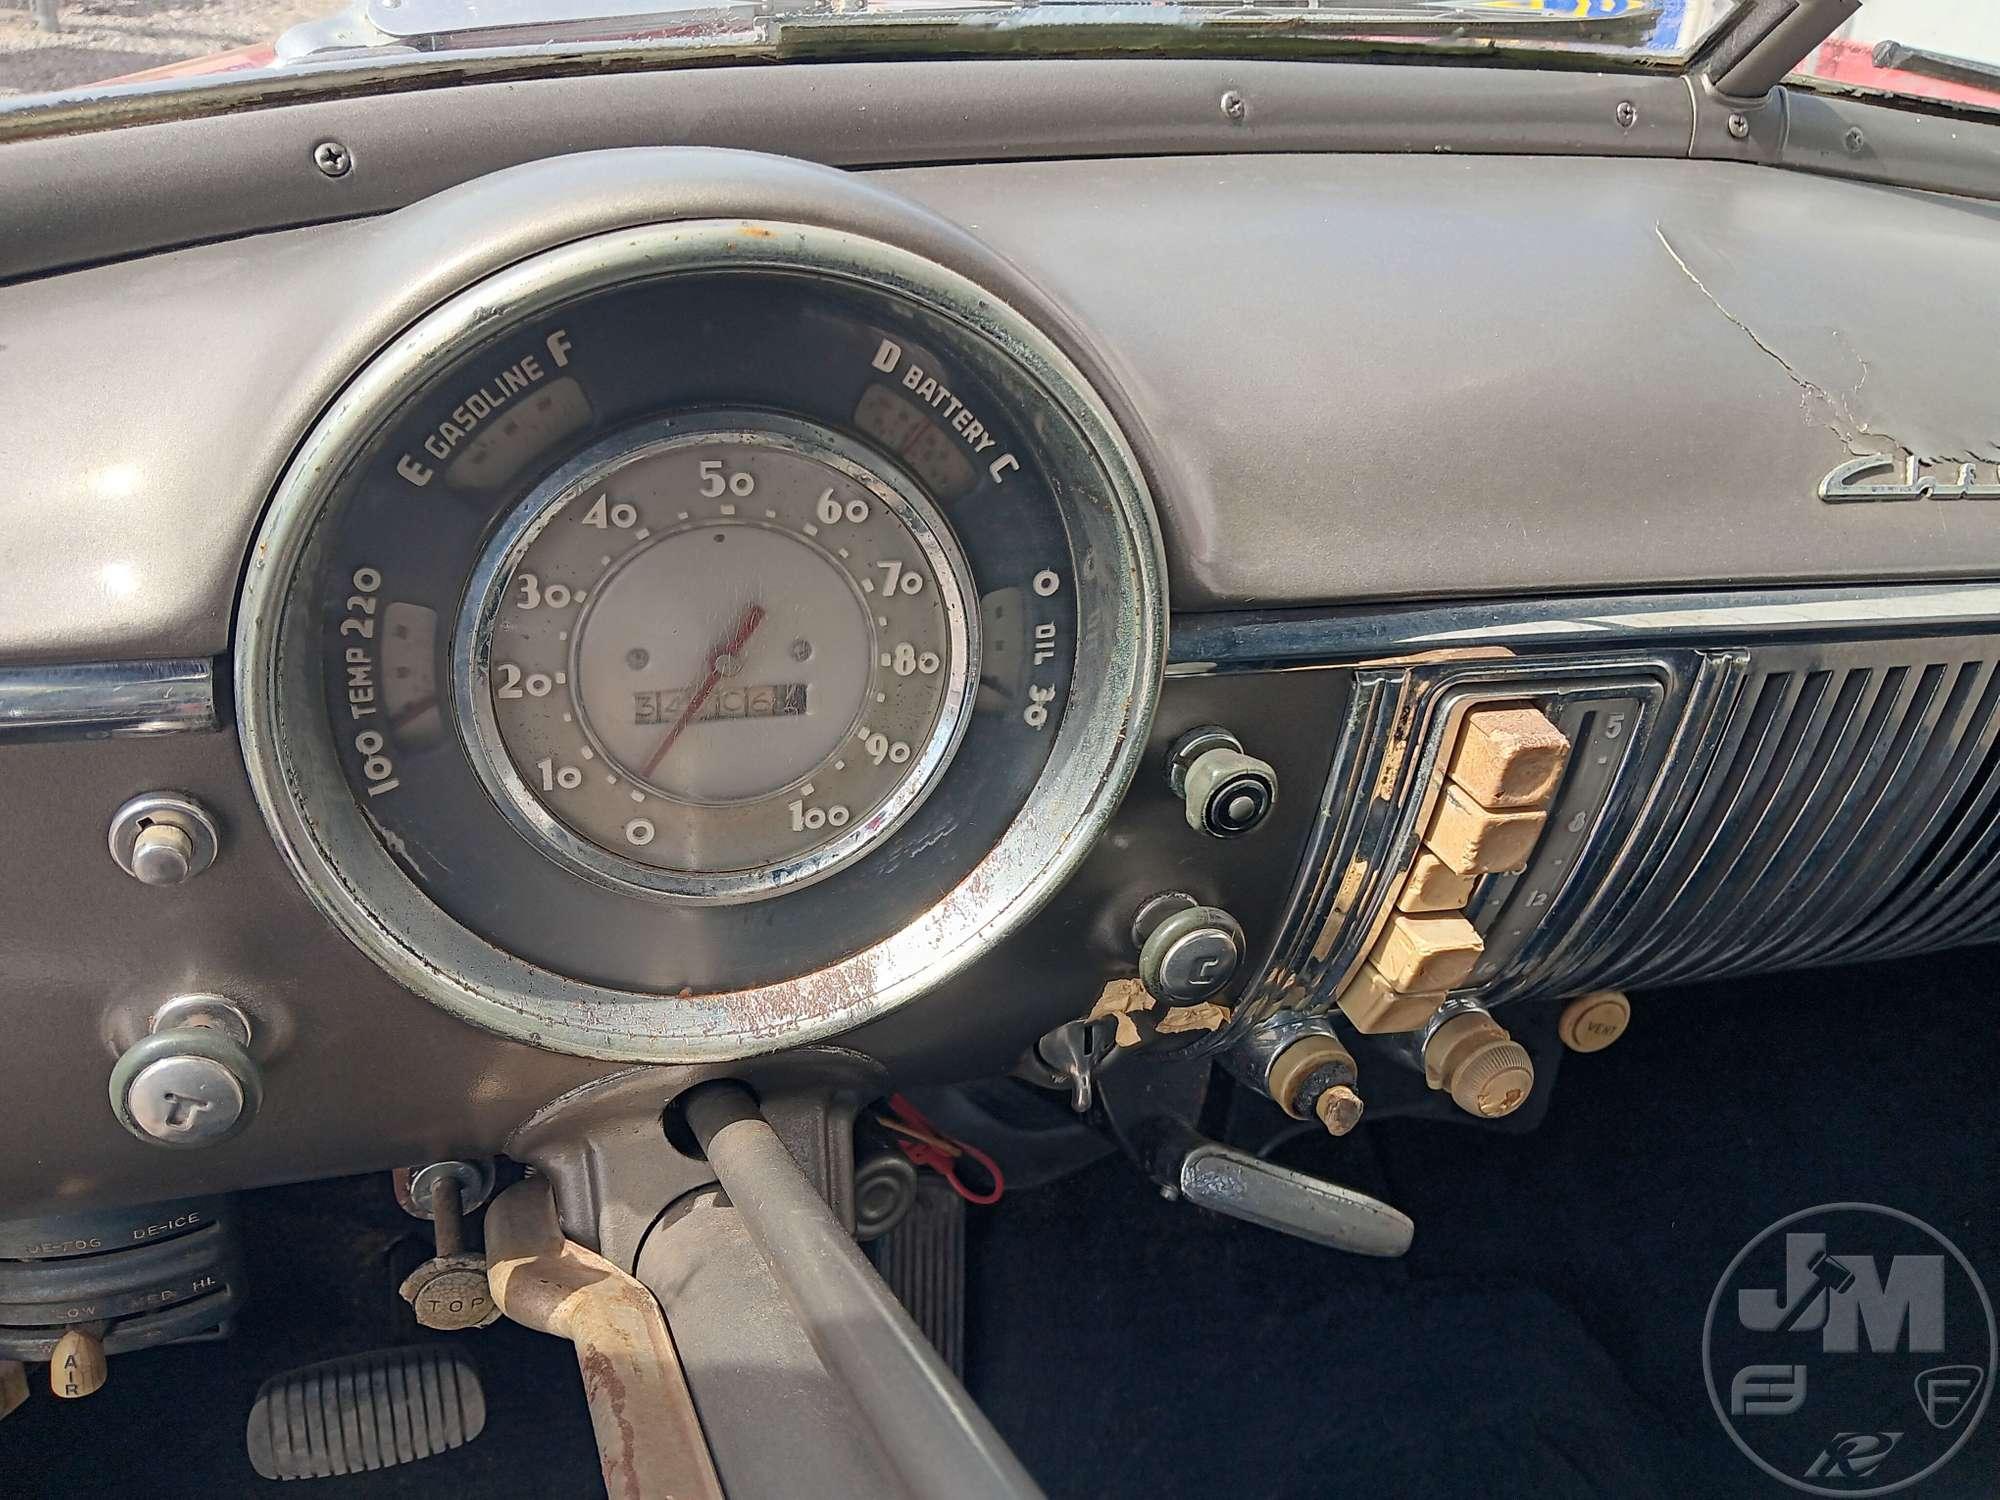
{"points": [[745, 628]]}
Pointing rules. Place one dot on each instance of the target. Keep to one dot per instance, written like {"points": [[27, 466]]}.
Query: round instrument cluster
{"points": [[699, 639]]}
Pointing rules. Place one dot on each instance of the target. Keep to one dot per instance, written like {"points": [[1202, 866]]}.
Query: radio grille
{"points": [[1757, 782], [1840, 804]]}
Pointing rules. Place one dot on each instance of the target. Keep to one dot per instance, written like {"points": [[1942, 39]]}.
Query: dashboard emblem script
{"points": [[1844, 485]]}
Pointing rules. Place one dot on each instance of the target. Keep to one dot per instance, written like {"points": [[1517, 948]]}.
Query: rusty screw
{"points": [[1628, 114], [1235, 108], [331, 158], [1739, 127]]}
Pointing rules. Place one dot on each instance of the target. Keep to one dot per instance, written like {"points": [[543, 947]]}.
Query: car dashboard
{"points": [[1180, 528]]}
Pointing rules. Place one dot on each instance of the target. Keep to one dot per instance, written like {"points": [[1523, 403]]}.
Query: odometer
{"points": [[717, 659]]}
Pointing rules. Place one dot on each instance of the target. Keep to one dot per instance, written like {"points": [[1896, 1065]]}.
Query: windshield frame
{"points": [[751, 35]]}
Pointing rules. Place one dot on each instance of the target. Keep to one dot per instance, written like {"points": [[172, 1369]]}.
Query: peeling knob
{"points": [[1471, 1057]]}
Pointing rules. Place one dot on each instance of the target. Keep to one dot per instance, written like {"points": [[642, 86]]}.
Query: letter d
{"points": [[887, 356]]}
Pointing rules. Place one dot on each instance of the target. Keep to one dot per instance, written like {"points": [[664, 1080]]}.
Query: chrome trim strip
{"points": [[1203, 644], [106, 700]]}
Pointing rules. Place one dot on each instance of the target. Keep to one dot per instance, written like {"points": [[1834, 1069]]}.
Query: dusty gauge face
{"points": [[699, 639], [718, 663]]}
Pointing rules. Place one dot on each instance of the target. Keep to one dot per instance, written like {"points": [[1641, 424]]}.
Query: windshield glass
{"points": [[1947, 50], [98, 47]]}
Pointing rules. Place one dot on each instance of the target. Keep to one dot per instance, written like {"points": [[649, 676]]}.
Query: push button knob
{"points": [[1187, 952], [163, 838], [162, 854], [1227, 793], [192, 1081]]}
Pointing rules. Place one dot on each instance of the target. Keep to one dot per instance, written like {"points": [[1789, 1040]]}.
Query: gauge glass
{"points": [[717, 663]]}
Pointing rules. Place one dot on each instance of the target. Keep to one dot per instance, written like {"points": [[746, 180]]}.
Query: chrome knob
{"points": [[162, 854], [1226, 792], [163, 838], [192, 1081], [1187, 952]]}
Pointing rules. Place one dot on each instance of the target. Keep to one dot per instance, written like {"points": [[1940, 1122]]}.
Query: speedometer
{"points": [[716, 660]]}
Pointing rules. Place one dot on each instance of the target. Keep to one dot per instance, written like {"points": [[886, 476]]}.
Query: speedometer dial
{"points": [[715, 660]]}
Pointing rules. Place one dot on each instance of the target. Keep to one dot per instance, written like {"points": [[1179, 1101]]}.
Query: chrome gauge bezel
{"points": [[473, 652], [330, 843]]}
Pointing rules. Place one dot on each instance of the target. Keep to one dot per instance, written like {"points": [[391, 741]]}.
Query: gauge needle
{"points": [[745, 628]]}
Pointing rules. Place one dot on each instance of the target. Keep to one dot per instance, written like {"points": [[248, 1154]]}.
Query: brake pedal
{"points": [[367, 1411]]}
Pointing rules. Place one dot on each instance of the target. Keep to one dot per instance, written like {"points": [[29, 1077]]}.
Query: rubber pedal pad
{"points": [[365, 1411]]}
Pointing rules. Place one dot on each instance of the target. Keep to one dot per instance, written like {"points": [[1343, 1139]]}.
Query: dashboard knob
{"points": [[162, 854], [1470, 1056], [448, 1292], [1227, 793], [192, 1081], [76, 1367], [1187, 952], [163, 838]]}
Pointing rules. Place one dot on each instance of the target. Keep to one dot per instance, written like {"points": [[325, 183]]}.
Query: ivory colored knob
{"points": [[1339, 1109], [1590, 1023], [77, 1366], [1486, 1072], [1509, 755]]}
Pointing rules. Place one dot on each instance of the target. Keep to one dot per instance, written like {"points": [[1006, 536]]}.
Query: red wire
{"points": [[942, 1162]]}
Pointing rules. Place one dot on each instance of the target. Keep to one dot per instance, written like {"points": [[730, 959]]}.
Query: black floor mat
{"points": [[322, 1262], [1544, 1335]]}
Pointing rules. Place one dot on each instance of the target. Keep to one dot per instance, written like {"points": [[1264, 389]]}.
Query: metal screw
{"points": [[1628, 114], [1739, 127], [331, 158], [1235, 108], [1855, 140]]}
